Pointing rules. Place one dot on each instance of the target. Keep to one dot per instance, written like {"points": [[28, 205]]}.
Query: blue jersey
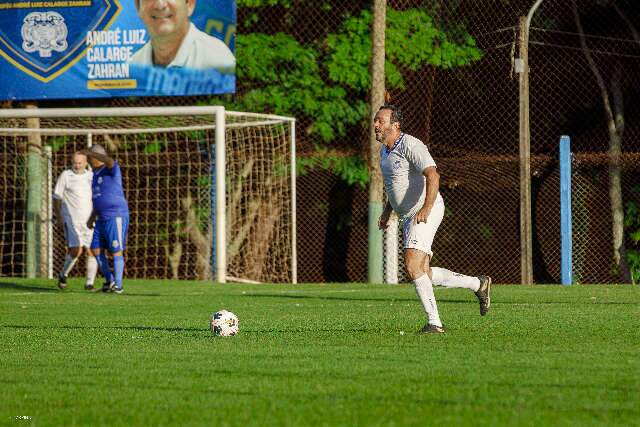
{"points": [[108, 195]]}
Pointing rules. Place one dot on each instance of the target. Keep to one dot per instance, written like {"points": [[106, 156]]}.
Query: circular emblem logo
{"points": [[114, 243], [44, 32]]}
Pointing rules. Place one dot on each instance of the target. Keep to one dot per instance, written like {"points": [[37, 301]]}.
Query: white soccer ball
{"points": [[224, 323]]}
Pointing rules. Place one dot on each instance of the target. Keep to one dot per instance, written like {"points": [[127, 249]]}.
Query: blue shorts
{"points": [[110, 234]]}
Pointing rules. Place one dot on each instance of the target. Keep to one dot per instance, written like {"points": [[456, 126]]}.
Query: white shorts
{"points": [[420, 236], [77, 234]]}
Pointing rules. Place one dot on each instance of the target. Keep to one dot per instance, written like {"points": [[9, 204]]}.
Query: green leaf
{"points": [[154, 147]]}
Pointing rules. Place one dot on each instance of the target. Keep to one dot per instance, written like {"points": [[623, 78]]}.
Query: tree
{"points": [[612, 101], [325, 82]]}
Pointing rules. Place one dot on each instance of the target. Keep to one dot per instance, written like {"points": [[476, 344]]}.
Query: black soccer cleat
{"points": [[484, 294], [432, 329], [62, 282], [107, 286], [115, 289], [89, 287]]}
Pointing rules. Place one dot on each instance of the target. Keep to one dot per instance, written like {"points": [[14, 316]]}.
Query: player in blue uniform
{"points": [[111, 216]]}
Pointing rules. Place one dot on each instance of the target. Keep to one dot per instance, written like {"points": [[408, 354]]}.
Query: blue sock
{"points": [[118, 266], [104, 267]]}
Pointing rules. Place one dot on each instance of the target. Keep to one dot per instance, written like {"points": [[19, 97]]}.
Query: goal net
{"points": [[211, 192]]}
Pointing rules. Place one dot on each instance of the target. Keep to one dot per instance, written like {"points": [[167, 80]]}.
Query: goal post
{"points": [[211, 192], [220, 241]]}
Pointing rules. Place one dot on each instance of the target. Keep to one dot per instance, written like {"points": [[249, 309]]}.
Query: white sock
{"points": [[449, 279], [425, 292], [69, 262], [92, 269]]}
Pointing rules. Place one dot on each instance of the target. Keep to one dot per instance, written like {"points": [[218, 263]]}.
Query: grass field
{"points": [[317, 355]]}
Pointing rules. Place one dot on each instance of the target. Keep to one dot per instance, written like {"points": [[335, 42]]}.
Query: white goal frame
{"points": [[218, 114]]}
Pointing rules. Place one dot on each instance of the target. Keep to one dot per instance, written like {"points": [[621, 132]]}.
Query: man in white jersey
{"points": [[73, 205], [411, 182], [175, 42]]}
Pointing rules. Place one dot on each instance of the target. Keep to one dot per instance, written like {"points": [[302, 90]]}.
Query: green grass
{"points": [[317, 355]]}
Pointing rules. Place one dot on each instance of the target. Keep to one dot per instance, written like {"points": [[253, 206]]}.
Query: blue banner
{"points": [[63, 49]]}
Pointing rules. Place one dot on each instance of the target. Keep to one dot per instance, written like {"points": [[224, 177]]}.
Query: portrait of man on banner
{"points": [[175, 41]]}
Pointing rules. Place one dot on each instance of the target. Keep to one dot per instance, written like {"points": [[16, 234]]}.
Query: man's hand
{"points": [[422, 215], [383, 222], [101, 157], [91, 221]]}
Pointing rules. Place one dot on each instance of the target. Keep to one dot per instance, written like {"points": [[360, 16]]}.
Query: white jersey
{"points": [[198, 50], [402, 169], [75, 192]]}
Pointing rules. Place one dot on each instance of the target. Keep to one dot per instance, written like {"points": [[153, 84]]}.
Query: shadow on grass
{"points": [[331, 298], [126, 294], [539, 303], [198, 332], [471, 300], [28, 288], [80, 289], [80, 327]]}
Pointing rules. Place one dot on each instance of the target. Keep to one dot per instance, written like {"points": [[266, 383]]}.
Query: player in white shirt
{"points": [[175, 42], [73, 206], [411, 183]]}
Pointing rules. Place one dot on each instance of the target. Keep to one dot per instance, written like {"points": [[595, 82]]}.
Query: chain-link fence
{"points": [[469, 117]]}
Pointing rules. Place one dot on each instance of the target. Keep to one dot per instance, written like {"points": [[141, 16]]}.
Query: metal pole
{"points": [[49, 216], [565, 211], [294, 239], [375, 270], [526, 246], [34, 194], [221, 227]]}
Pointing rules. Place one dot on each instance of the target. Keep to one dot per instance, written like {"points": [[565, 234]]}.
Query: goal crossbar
{"points": [[131, 131]]}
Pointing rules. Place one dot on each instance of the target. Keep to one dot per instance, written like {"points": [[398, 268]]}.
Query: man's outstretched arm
{"points": [[104, 158]]}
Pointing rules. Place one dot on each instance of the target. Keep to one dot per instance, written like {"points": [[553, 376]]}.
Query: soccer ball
{"points": [[224, 323]]}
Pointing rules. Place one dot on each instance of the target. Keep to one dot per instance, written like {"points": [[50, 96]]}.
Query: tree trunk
{"points": [[375, 183], [616, 130], [615, 127]]}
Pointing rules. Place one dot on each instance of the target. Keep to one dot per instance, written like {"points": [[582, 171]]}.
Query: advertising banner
{"points": [[62, 49]]}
